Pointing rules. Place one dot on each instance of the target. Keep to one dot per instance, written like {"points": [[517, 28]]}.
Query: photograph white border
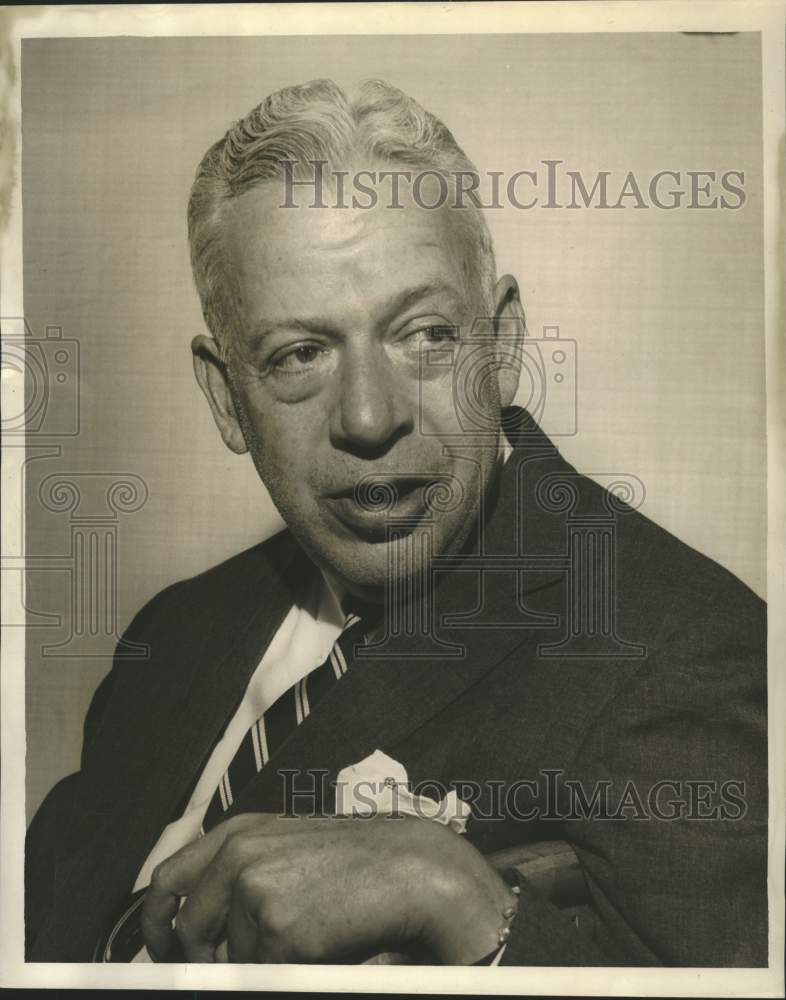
{"points": [[403, 18]]}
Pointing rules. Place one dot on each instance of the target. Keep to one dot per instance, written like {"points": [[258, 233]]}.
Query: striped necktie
{"points": [[265, 737], [274, 726]]}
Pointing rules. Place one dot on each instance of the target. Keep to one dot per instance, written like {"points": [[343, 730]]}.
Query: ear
{"points": [[211, 373], [509, 328]]}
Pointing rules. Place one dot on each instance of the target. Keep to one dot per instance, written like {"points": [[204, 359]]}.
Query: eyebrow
{"points": [[390, 309]]}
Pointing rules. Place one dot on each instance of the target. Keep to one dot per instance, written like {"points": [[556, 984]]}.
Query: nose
{"points": [[372, 410]]}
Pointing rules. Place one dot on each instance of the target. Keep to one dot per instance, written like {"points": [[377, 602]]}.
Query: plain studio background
{"points": [[665, 306]]}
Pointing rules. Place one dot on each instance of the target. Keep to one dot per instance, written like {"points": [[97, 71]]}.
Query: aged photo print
{"points": [[392, 432]]}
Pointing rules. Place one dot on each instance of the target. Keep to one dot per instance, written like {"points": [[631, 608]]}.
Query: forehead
{"points": [[284, 258]]}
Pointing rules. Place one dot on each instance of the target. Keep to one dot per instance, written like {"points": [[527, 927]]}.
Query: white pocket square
{"points": [[379, 785]]}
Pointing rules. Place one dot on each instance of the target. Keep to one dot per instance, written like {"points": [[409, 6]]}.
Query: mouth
{"points": [[370, 508]]}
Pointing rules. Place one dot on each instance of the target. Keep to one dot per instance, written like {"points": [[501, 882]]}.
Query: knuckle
{"points": [[249, 886], [235, 846], [272, 920], [272, 915], [161, 879]]}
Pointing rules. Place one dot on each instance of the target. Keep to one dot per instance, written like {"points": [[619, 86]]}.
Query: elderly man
{"points": [[418, 620]]}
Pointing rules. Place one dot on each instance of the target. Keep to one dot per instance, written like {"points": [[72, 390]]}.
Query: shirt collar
{"points": [[331, 598]]}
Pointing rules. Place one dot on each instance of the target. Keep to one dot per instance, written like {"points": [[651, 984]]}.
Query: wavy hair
{"points": [[318, 121]]}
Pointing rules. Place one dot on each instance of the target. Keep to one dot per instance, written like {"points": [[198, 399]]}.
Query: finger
{"points": [[173, 878], [157, 927], [244, 942], [203, 917]]}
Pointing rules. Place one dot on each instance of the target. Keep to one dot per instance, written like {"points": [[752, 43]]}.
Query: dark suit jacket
{"points": [[670, 686]]}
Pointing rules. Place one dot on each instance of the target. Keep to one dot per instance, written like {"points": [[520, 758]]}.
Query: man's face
{"points": [[330, 389]]}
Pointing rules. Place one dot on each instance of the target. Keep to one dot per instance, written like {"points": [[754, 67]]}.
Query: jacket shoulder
{"points": [[179, 621], [215, 588], [662, 577]]}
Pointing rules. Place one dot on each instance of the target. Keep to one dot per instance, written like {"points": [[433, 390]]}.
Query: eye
{"points": [[438, 333], [299, 359]]}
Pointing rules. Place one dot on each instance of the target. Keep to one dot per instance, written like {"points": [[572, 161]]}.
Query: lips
{"points": [[367, 508]]}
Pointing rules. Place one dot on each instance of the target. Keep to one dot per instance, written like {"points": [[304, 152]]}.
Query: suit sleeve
{"points": [[676, 864], [55, 831], [50, 833]]}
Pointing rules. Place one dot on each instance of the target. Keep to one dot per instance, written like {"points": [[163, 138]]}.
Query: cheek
{"points": [[438, 407], [287, 457], [283, 447], [465, 398], [476, 381]]}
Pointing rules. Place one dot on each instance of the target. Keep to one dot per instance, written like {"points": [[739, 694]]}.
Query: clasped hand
{"points": [[267, 888]]}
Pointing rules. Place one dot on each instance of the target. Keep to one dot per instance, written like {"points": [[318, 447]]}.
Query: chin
{"points": [[369, 569]]}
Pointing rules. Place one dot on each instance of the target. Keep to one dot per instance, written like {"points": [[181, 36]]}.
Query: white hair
{"points": [[302, 124]]}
